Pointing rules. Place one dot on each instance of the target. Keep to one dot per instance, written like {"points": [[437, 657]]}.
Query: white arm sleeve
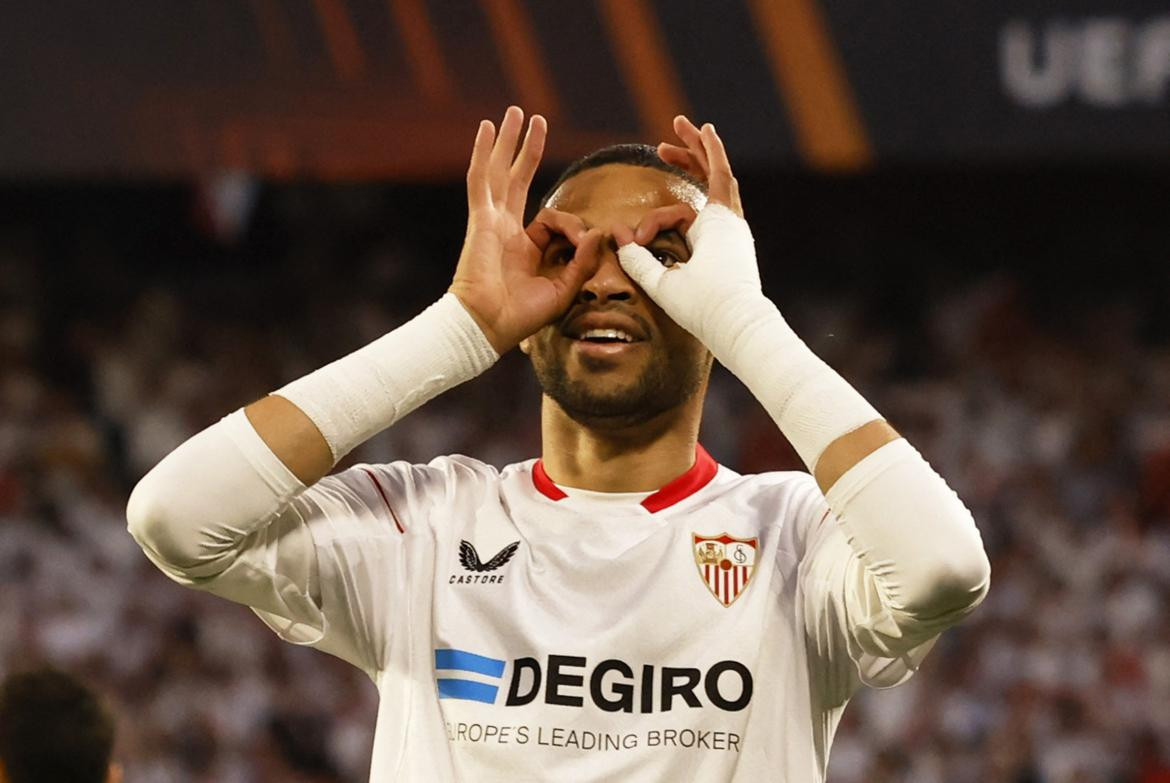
{"points": [[191, 512], [901, 559], [891, 561], [898, 558], [323, 567], [222, 513]]}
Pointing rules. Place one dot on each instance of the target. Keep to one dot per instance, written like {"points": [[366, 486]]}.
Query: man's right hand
{"points": [[714, 294], [502, 278]]}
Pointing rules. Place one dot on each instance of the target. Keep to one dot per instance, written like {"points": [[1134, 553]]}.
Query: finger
{"points": [[676, 217], [681, 157], [689, 135], [540, 234], [673, 154], [524, 168], [622, 234], [478, 193], [736, 202], [722, 186], [569, 278], [642, 267], [716, 152], [589, 251], [719, 182], [502, 152], [553, 221]]}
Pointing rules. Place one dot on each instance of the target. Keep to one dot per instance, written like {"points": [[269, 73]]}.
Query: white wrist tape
{"points": [[361, 394], [716, 296], [810, 402]]}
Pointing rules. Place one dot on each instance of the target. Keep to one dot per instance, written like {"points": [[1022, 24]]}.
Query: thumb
{"points": [[642, 267]]}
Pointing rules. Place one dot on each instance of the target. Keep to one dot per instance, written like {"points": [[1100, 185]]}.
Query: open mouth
{"points": [[606, 336]]}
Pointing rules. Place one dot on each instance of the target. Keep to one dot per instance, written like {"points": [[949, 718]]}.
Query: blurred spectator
{"points": [[53, 728]]}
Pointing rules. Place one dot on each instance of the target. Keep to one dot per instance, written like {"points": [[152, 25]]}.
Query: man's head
{"points": [[616, 359], [53, 728]]}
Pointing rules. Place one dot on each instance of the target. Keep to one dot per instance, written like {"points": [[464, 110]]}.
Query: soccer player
{"points": [[53, 728], [623, 608]]}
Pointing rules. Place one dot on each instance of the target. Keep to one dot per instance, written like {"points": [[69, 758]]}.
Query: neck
{"points": [[638, 458]]}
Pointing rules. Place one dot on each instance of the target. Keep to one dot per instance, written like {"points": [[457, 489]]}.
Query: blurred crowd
{"points": [[1051, 420]]}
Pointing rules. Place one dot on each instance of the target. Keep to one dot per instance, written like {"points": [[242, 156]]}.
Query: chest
{"points": [[614, 612]]}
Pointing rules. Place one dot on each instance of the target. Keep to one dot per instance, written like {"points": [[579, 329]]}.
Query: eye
{"points": [[665, 257]]}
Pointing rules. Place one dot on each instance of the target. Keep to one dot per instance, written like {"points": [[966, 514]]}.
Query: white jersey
{"points": [[517, 630]]}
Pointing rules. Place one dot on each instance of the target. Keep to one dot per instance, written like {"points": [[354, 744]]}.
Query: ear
{"points": [[524, 347], [114, 775]]}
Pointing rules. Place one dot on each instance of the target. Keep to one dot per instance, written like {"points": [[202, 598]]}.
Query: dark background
{"points": [[336, 88]]}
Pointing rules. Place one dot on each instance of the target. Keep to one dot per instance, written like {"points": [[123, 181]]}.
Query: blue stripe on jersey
{"points": [[468, 662], [466, 689]]}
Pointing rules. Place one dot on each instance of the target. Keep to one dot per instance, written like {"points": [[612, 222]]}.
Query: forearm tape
{"points": [[810, 402], [361, 394]]}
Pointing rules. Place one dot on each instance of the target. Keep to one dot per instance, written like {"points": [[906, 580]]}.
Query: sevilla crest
{"points": [[725, 564]]}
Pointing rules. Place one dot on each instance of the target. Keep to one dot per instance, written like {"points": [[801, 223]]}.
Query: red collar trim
{"points": [[682, 487], [544, 485], [685, 485]]}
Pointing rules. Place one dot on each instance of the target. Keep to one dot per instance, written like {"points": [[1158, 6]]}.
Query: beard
{"points": [[666, 381]]}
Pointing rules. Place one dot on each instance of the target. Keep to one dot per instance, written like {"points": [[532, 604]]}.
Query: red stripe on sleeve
{"points": [[385, 500]]}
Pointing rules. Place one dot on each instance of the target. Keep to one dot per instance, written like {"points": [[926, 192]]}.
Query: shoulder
{"points": [[781, 490], [412, 484], [789, 500]]}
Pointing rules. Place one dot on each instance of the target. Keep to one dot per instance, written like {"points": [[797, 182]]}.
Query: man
{"points": [[52, 728], [622, 608]]}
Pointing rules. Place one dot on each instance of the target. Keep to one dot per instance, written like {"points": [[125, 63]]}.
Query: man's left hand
{"points": [[707, 293]]}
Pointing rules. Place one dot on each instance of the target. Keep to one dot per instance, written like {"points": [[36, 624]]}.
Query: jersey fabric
{"points": [[517, 630]]}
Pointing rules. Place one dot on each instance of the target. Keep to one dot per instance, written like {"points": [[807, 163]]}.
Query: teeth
{"points": [[608, 334]]}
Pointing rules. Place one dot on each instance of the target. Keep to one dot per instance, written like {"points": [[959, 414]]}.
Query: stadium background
{"points": [[964, 212]]}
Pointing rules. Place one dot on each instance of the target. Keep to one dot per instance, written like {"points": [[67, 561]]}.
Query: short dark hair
{"points": [[629, 154], [53, 728]]}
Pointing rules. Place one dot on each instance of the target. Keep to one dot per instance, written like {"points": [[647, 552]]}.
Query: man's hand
{"points": [[710, 293], [501, 279], [702, 156], [716, 296]]}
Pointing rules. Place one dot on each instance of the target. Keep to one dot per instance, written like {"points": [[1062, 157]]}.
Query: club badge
{"points": [[725, 564]]}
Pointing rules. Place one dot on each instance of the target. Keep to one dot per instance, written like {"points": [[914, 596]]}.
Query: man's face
{"points": [[615, 359]]}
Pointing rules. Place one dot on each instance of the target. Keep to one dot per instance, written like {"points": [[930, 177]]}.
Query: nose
{"points": [[609, 283]]}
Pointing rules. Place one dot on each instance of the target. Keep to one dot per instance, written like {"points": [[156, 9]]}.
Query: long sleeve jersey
{"points": [[519, 630]]}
